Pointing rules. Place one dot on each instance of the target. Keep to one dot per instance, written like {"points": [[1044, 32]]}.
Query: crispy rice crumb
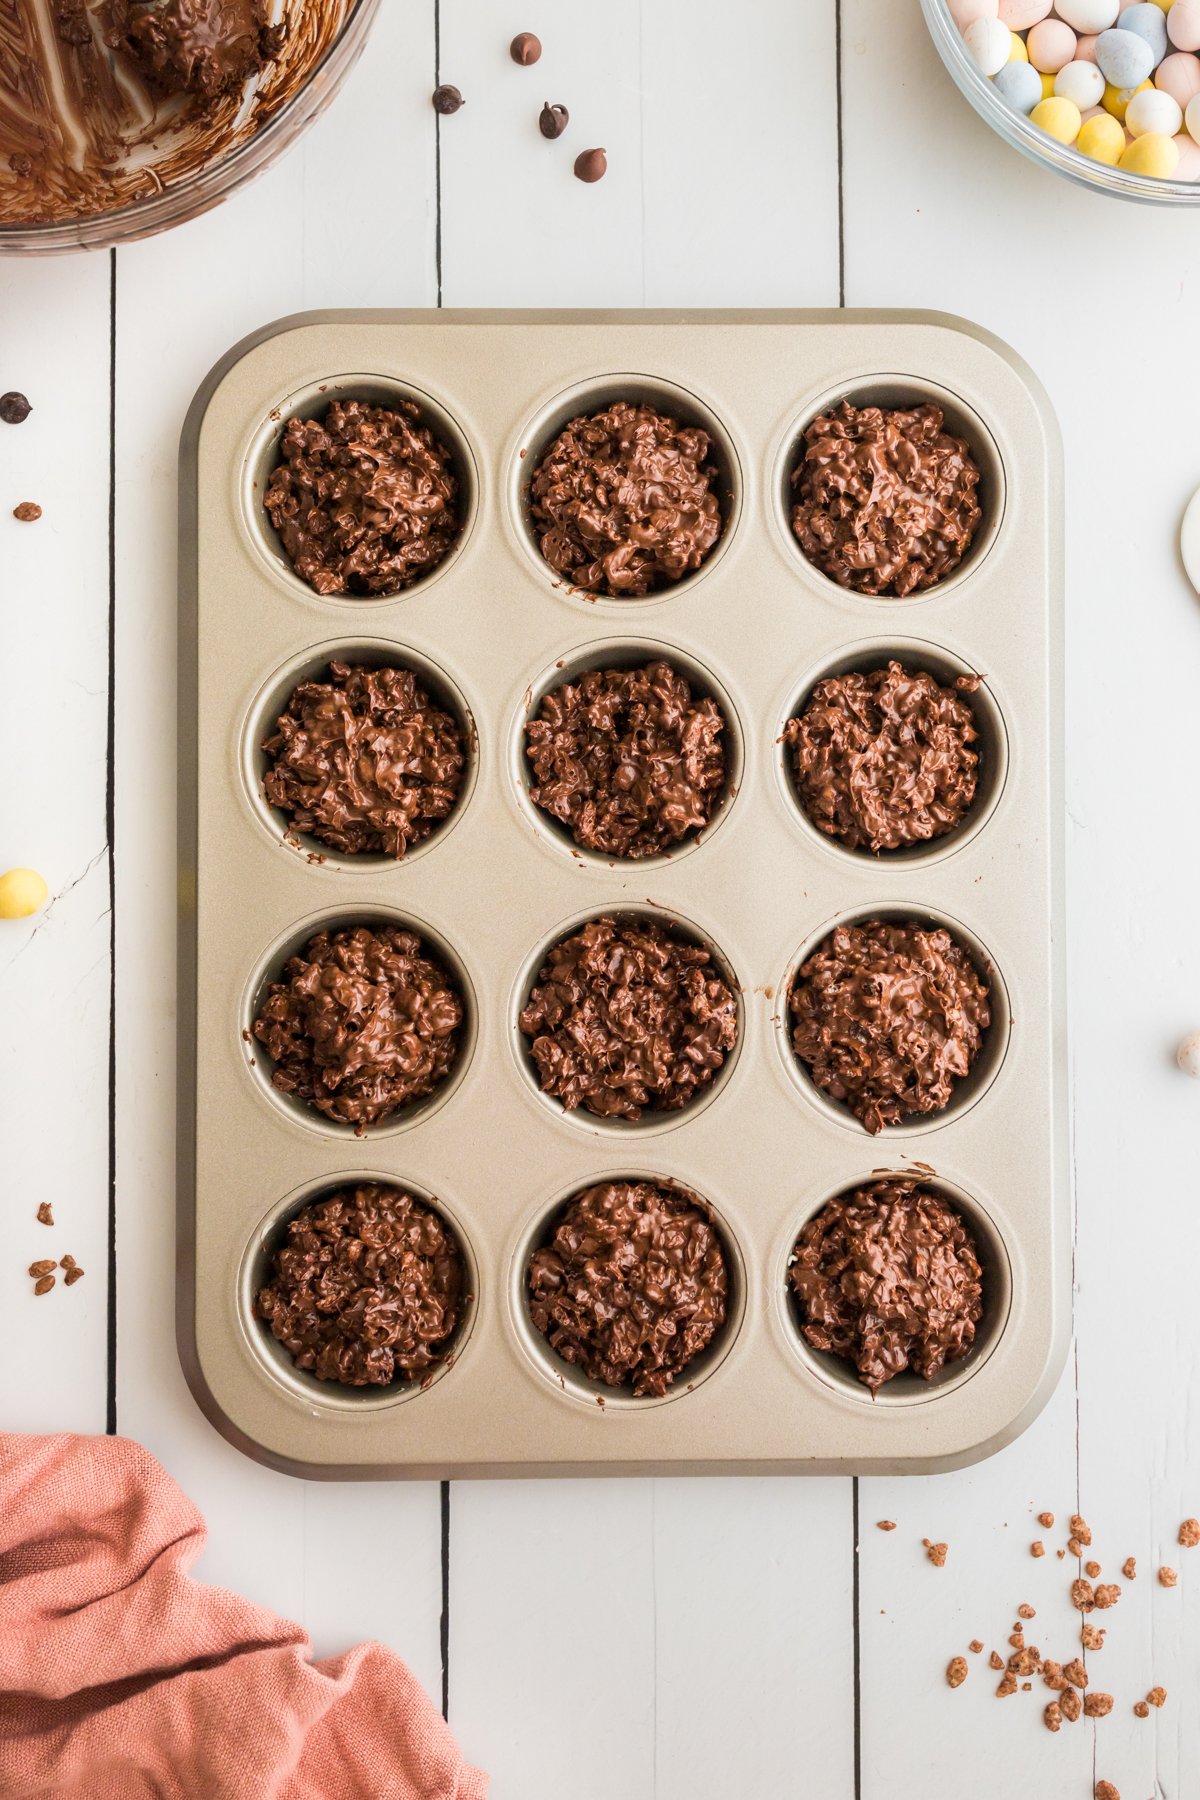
{"points": [[975, 1646], [1167, 1577], [1092, 1636], [1008, 1685], [1097, 1706], [1075, 1673], [1106, 1791], [995, 1662], [1071, 1704], [1091, 1570], [1156, 1696], [1141, 1710], [1053, 1716], [936, 1553], [1081, 1529], [1026, 1611], [1052, 1675], [1046, 1520], [1189, 1533], [1083, 1597], [1074, 1547], [1107, 1594], [885, 1524], [1037, 1548], [956, 1671], [1129, 1568]]}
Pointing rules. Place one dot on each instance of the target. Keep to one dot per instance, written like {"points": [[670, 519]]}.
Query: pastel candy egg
{"points": [[987, 42], [1179, 76], [965, 12], [1188, 1055], [22, 891], [1085, 49], [1152, 110], [1191, 118], [1116, 100], [1016, 50], [1101, 138], [1152, 154], [1146, 21], [1125, 59], [1088, 15], [1059, 118], [1019, 86], [1051, 46], [1189, 158], [1047, 82], [1183, 24], [1081, 82], [1019, 15]]}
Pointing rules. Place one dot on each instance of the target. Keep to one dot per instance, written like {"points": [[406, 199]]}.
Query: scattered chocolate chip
{"points": [[14, 408], [44, 1267], [1156, 1696], [27, 512], [447, 100], [886, 1524], [590, 165], [74, 1273], [1129, 1568], [1167, 1577], [553, 120], [1189, 1533], [43, 1284], [1097, 1706], [525, 49], [44, 1214], [956, 1671]]}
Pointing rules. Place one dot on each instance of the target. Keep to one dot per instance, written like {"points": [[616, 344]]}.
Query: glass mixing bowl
{"points": [[217, 178], [1017, 130]]}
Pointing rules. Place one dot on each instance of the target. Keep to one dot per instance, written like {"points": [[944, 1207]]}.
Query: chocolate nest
{"points": [[623, 503], [888, 1018], [632, 1284], [886, 759], [367, 1289], [366, 1020], [363, 761], [630, 761], [364, 498], [886, 498], [889, 1278], [625, 1017]]}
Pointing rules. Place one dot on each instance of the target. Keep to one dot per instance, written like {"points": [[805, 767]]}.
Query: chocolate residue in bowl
{"points": [[626, 1016], [888, 1018], [886, 498], [623, 503], [886, 759], [629, 760], [889, 1278], [366, 1289], [365, 1021], [364, 498], [632, 1284], [199, 47], [364, 761]]}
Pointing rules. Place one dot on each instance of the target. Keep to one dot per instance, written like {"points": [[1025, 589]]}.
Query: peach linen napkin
{"points": [[122, 1678]]}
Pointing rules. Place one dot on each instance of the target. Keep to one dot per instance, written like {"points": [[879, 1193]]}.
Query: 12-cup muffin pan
{"points": [[496, 884]]}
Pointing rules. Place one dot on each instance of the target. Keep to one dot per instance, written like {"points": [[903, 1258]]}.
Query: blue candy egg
{"points": [[1125, 59], [1019, 85], [1147, 21]]}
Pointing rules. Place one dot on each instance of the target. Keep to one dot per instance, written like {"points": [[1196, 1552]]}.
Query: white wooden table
{"points": [[635, 1640]]}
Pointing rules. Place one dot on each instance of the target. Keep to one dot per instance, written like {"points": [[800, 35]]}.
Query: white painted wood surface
{"points": [[637, 1640]]}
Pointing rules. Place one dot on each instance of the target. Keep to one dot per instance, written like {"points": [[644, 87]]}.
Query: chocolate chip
{"points": [[590, 165], [74, 1273], [447, 100], [15, 408], [553, 120], [38, 1269], [27, 512], [43, 1285], [44, 1214], [525, 49]]}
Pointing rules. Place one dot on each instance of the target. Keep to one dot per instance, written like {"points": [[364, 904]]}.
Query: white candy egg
{"points": [[1152, 110], [1088, 15], [1125, 58], [965, 12], [1081, 82], [1020, 86], [988, 44], [1188, 1055], [1019, 15]]}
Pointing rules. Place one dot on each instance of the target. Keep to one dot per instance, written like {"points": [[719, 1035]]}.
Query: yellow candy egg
{"points": [[1117, 99], [1047, 87], [22, 891], [1017, 51], [1151, 154], [1059, 118], [1102, 139]]}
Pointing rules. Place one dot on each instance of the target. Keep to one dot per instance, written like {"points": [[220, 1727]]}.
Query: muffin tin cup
{"points": [[498, 883]]}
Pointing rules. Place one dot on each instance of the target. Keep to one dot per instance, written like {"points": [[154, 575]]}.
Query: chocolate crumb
{"points": [[886, 1524], [1046, 1519], [447, 100], [995, 1662], [936, 1553], [525, 49], [1107, 1594], [1071, 1704], [1052, 1675], [1140, 1710], [42, 1268], [1074, 1547], [1037, 1548], [43, 1284], [1025, 1611], [1053, 1716], [1075, 1673], [1091, 1570], [1156, 1696], [1189, 1533], [14, 408], [553, 120], [1097, 1706], [1008, 1685], [1129, 1568], [1083, 1596], [45, 1214], [975, 1646], [1106, 1791], [27, 511], [73, 1271], [591, 165], [1167, 1576], [1081, 1529], [956, 1671], [1091, 1636]]}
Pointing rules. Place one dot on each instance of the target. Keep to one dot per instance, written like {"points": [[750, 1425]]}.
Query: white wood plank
{"points": [[669, 1622], [347, 219], [1095, 295], [54, 968]]}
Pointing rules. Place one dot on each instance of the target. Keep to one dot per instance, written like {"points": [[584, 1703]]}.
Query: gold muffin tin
{"points": [[489, 631]]}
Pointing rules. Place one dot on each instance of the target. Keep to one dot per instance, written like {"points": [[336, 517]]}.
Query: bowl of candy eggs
{"points": [[1105, 91]]}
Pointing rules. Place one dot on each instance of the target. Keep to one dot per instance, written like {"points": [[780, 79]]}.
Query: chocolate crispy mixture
{"points": [[363, 760], [629, 760], [632, 1284], [365, 1020], [889, 1278], [886, 499], [366, 1289], [623, 502], [886, 759], [626, 1016], [364, 498], [888, 1017], [201, 47]]}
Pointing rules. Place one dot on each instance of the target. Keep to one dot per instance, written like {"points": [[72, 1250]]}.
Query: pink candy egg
{"points": [[1183, 24], [1019, 15], [1179, 76], [1189, 159], [1051, 45], [1085, 49], [965, 12]]}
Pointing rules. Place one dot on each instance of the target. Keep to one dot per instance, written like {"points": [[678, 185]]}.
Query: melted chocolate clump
{"points": [[888, 1018], [889, 1278], [887, 759], [623, 502], [886, 499], [632, 1284], [364, 498], [626, 1016], [363, 761], [629, 760], [365, 1020], [366, 1289], [200, 47]]}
